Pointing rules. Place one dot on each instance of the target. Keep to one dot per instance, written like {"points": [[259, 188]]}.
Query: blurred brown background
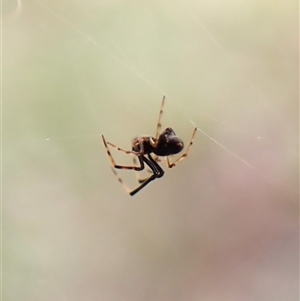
{"points": [[223, 224]]}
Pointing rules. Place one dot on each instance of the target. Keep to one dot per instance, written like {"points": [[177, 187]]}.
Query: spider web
{"points": [[102, 67], [108, 47], [243, 116]]}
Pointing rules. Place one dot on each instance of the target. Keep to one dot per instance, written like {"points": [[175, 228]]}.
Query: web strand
{"points": [[224, 147], [126, 66]]}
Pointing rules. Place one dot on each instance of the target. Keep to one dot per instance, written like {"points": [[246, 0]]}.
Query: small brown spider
{"points": [[163, 145]]}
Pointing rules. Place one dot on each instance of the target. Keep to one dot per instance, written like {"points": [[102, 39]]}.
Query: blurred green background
{"points": [[222, 225]]}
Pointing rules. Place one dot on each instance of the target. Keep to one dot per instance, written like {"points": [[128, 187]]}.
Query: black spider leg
{"points": [[157, 172], [148, 169]]}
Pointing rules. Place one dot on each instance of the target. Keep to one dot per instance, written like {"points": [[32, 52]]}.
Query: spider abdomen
{"points": [[171, 147], [168, 143]]}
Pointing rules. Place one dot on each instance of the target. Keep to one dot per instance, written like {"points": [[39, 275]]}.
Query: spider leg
{"points": [[157, 173], [151, 163], [124, 185], [138, 178], [158, 127], [157, 158], [170, 165], [155, 168], [126, 188], [138, 168], [147, 181], [121, 149], [148, 169]]}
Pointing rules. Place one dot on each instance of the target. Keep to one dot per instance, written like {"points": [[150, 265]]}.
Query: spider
{"points": [[162, 145]]}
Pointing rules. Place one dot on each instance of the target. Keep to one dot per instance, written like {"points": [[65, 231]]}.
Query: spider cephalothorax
{"points": [[162, 145]]}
